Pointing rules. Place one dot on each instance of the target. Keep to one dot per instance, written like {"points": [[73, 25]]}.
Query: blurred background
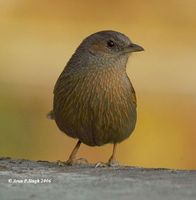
{"points": [[38, 38]]}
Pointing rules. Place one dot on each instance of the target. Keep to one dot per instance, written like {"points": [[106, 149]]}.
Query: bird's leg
{"points": [[112, 161], [72, 158]]}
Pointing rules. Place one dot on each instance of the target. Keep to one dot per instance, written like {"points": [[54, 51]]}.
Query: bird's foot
{"points": [[71, 162], [60, 163], [101, 164], [113, 163], [110, 163]]}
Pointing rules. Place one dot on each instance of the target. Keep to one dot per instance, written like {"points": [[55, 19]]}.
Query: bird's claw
{"points": [[113, 163], [110, 163], [101, 164], [61, 163]]}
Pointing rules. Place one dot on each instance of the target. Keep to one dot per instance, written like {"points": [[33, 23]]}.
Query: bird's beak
{"points": [[133, 48]]}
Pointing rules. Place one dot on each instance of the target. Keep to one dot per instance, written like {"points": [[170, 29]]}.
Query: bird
{"points": [[93, 99]]}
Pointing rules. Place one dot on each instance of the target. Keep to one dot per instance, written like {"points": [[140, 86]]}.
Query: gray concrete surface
{"points": [[24, 179]]}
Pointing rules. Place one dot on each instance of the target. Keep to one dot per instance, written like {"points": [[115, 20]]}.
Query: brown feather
{"points": [[96, 106]]}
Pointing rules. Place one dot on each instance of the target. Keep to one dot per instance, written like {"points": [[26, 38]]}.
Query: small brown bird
{"points": [[94, 100]]}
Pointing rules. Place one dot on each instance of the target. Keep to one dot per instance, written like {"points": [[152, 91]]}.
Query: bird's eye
{"points": [[110, 43]]}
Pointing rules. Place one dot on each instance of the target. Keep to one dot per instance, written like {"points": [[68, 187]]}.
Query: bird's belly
{"points": [[113, 126], [98, 112], [98, 120], [96, 129]]}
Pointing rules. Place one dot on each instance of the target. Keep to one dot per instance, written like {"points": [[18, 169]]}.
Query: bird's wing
{"points": [[133, 95], [51, 115], [134, 99]]}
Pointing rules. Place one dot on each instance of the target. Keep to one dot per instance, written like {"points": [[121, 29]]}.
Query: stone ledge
{"points": [[26, 179]]}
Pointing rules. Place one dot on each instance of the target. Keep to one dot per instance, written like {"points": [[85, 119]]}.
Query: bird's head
{"points": [[109, 44]]}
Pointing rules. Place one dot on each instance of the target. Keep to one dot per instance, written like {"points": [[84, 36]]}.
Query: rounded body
{"points": [[95, 105]]}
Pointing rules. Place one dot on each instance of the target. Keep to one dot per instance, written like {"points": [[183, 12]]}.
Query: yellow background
{"points": [[38, 37]]}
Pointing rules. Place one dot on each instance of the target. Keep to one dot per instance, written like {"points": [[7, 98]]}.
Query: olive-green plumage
{"points": [[94, 99]]}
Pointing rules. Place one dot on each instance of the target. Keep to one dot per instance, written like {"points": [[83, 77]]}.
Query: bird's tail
{"points": [[50, 115]]}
